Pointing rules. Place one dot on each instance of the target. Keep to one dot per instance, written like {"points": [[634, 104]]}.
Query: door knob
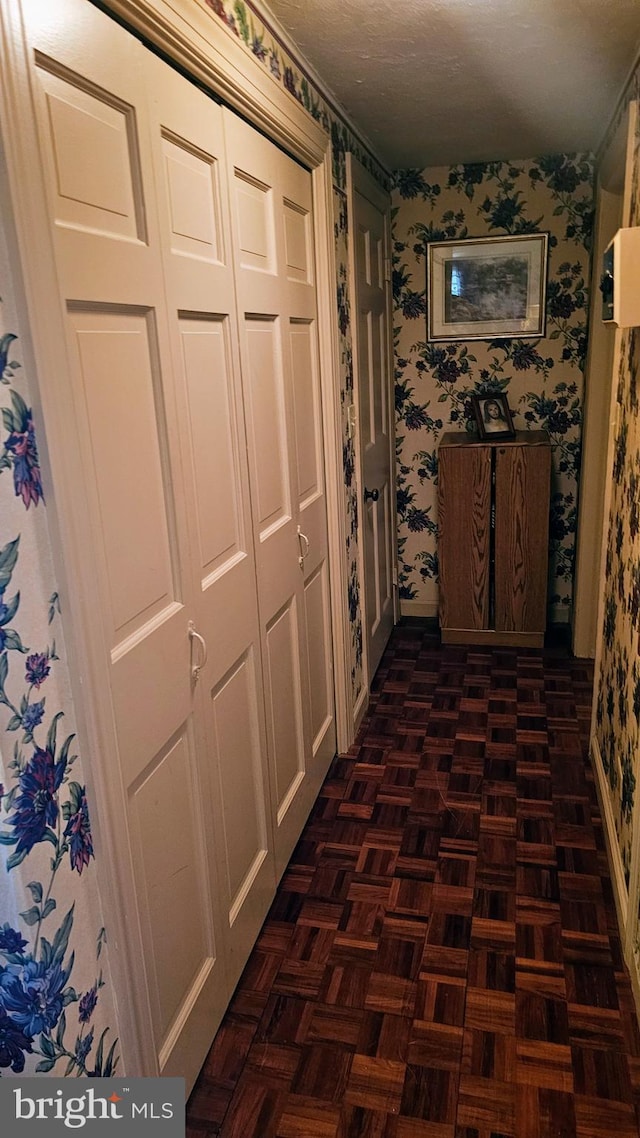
{"points": [[373, 494]]}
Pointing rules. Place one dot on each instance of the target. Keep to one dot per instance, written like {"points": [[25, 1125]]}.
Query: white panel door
{"points": [[187, 144], [372, 358], [156, 546], [272, 224]]}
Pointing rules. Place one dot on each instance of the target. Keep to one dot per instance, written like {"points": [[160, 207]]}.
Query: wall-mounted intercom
{"points": [[620, 280]]}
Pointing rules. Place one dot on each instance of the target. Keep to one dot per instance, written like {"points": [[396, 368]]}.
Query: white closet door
{"points": [[272, 224], [187, 142], [129, 432], [369, 250]]}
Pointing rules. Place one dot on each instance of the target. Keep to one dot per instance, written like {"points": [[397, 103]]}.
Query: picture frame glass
{"points": [[486, 289]]}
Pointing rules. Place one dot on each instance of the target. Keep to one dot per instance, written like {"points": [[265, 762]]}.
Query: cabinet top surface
{"points": [[522, 438]]}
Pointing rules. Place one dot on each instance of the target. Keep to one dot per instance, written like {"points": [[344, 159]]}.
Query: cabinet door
{"points": [[521, 540], [464, 517]]}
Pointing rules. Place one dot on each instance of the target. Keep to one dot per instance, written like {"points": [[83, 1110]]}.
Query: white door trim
{"points": [[187, 34], [209, 51], [358, 178], [329, 354]]}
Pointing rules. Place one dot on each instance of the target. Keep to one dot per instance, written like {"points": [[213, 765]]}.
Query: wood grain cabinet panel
{"points": [[464, 478], [493, 521]]}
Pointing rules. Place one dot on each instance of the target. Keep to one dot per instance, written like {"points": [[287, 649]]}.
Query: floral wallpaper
{"points": [[617, 687], [341, 228], [542, 378], [262, 42], [56, 1011]]}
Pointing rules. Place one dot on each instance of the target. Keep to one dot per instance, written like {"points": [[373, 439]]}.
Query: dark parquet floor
{"points": [[442, 958]]}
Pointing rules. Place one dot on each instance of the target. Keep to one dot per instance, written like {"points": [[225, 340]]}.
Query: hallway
{"points": [[442, 958]]}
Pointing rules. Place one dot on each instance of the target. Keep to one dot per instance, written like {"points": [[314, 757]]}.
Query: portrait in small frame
{"points": [[493, 417]]}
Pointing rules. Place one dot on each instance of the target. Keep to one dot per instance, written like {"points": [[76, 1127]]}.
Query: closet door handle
{"points": [[373, 494], [197, 668], [304, 549]]}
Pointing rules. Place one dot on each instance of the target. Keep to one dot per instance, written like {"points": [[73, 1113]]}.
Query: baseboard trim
{"points": [[558, 614], [490, 636], [419, 608], [360, 708], [620, 891]]}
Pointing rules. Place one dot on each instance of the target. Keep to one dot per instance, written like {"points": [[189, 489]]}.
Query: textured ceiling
{"points": [[436, 82]]}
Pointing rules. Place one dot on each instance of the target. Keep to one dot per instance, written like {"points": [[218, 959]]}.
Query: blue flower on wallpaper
{"points": [[32, 717], [37, 668], [36, 805], [468, 176], [412, 184], [32, 993], [620, 451], [83, 1047], [78, 830], [14, 1044], [628, 788], [20, 451], [504, 212], [87, 1005], [11, 941], [610, 613], [523, 356]]}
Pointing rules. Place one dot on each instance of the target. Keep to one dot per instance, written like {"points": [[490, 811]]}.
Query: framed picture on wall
{"points": [[487, 288], [493, 417]]}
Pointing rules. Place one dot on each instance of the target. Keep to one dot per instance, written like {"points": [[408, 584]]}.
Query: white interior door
{"points": [[191, 174], [139, 220], [369, 247], [273, 240]]}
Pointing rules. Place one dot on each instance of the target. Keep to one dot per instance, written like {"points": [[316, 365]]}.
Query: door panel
{"points": [[188, 151], [116, 356], [373, 385], [522, 529], [205, 353], [464, 544], [169, 873], [268, 423], [130, 429], [316, 599], [285, 700], [97, 182], [272, 224], [234, 705]]}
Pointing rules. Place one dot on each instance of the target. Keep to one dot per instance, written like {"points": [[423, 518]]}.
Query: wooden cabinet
{"points": [[493, 521]]}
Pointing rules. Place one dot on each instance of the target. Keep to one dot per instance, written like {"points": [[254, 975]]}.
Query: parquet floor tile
{"points": [[442, 958]]}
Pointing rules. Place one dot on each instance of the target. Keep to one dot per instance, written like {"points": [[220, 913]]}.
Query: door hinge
{"points": [[394, 577], [387, 268]]}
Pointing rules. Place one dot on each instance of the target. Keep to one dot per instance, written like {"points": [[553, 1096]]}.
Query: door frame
{"points": [[208, 52], [358, 178]]}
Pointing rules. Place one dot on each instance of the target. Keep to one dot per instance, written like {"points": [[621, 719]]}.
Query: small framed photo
{"points": [[493, 417], [488, 288]]}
